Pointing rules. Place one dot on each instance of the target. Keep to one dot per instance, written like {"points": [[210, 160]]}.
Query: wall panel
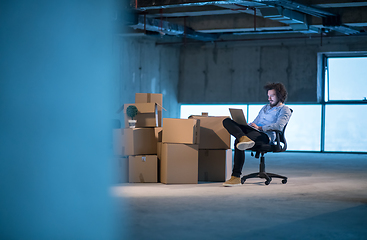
{"points": [[235, 72]]}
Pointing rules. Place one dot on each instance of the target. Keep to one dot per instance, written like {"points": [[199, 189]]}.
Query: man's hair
{"points": [[279, 89]]}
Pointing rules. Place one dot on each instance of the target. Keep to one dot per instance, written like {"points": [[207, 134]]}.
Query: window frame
{"points": [[322, 69]]}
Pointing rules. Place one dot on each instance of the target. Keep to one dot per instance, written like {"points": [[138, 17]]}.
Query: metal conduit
{"points": [[254, 3]]}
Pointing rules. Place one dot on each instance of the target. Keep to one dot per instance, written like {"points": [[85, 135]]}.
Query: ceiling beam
{"points": [[245, 22], [349, 16], [162, 4], [233, 23]]}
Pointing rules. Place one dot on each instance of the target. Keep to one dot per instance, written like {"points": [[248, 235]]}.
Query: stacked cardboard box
{"points": [[178, 151], [215, 155], [140, 143]]}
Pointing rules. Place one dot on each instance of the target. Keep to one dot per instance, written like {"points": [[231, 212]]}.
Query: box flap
{"points": [[212, 133]]}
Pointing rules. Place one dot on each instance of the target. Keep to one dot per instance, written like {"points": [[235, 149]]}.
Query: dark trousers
{"points": [[238, 130]]}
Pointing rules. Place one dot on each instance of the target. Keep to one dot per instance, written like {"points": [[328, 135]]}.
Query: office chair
{"points": [[260, 150]]}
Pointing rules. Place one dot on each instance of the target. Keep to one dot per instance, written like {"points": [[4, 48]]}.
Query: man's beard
{"points": [[273, 105]]}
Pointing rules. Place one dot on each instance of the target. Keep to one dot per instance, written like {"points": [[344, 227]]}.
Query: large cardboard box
{"points": [[212, 133], [151, 98], [143, 169], [135, 141], [215, 165], [147, 115], [185, 131], [179, 163]]}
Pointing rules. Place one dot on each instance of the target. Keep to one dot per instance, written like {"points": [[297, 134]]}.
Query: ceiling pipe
{"points": [[164, 27], [262, 39], [292, 5], [255, 19], [199, 4]]}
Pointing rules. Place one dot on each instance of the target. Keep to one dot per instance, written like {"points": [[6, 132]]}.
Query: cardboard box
{"points": [[185, 131], [140, 141], [147, 115], [151, 98], [212, 133], [179, 163], [135, 141], [143, 169], [148, 98], [158, 133], [215, 165], [121, 169]]}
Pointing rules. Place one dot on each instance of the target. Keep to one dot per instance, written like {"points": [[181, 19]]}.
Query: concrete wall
{"points": [[147, 68], [235, 72]]}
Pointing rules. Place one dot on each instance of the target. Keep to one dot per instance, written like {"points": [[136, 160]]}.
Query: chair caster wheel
{"points": [[267, 182], [284, 181], [243, 181]]}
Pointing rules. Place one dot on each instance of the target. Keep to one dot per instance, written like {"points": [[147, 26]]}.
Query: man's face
{"points": [[272, 98]]}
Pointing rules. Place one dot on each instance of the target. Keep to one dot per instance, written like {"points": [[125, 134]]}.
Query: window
{"points": [[346, 79], [345, 128], [211, 109], [303, 131], [344, 108]]}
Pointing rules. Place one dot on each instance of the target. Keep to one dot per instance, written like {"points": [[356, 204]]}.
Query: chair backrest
{"points": [[281, 137]]}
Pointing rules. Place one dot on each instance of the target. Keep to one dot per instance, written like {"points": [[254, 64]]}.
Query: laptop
{"points": [[239, 117]]}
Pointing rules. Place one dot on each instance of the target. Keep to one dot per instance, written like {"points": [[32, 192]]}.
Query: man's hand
{"points": [[255, 126]]}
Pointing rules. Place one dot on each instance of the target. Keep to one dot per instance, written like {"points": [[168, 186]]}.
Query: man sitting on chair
{"points": [[272, 116]]}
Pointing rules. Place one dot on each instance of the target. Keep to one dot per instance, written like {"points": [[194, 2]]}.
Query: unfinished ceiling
{"points": [[200, 20]]}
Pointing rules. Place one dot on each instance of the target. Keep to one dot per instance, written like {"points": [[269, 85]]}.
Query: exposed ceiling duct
{"points": [[211, 20], [297, 20], [297, 17], [165, 27], [296, 6]]}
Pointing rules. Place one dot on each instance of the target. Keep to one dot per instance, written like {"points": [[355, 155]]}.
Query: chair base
{"points": [[267, 176], [262, 173]]}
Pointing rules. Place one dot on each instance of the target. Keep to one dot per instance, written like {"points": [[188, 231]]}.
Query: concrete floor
{"points": [[325, 198]]}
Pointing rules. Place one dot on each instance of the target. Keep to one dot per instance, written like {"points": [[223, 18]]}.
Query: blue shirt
{"points": [[273, 118]]}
